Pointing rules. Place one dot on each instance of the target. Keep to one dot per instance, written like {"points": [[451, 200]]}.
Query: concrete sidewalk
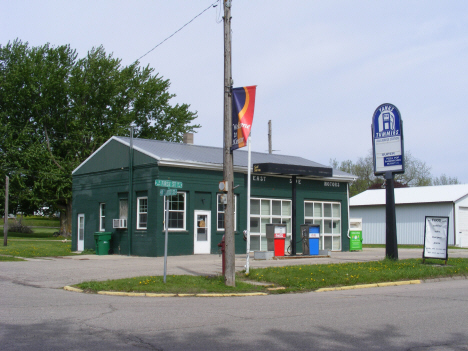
{"points": [[56, 272]]}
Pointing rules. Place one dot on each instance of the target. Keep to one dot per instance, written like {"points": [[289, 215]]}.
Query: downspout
{"points": [[454, 226], [347, 195], [130, 192]]}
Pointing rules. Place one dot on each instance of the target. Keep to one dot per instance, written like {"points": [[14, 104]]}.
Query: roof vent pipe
{"points": [[188, 138]]}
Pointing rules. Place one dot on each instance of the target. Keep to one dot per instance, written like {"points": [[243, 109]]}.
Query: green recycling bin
{"points": [[102, 240], [355, 234]]}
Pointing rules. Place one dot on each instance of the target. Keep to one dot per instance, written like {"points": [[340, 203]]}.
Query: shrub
{"points": [[17, 227]]}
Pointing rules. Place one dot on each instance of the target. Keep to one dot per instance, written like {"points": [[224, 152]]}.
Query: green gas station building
{"points": [[110, 196]]}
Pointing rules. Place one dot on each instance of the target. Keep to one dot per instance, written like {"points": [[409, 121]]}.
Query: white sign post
{"points": [[436, 238]]}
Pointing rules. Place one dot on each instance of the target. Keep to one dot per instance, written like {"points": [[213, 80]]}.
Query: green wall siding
{"points": [[201, 188], [113, 155]]}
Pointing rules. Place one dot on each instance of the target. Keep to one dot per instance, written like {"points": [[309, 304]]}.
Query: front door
{"points": [[202, 232], [80, 238]]}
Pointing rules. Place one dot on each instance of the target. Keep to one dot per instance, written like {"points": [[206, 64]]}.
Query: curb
{"points": [[352, 287], [71, 288], [365, 286], [120, 293]]}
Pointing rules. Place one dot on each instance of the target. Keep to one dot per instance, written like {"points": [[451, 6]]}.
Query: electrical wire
{"points": [[178, 30]]}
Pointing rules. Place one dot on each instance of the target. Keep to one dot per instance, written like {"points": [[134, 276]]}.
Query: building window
{"points": [[328, 216], [264, 211], [176, 211], [102, 217], [123, 209], [220, 212], [142, 212]]}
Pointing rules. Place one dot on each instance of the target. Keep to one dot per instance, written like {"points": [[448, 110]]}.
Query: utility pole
{"points": [[5, 223], [228, 171], [269, 137]]}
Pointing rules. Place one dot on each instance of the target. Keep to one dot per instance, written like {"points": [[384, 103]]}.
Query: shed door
{"points": [[202, 232], [463, 226], [81, 228]]}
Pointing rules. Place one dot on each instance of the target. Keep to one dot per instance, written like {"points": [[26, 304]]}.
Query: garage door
{"points": [[463, 226]]}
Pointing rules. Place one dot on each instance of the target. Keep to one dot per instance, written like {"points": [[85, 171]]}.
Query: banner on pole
{"points": [[243, 104]]}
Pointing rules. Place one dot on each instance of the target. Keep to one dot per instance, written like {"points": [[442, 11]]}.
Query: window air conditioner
{"points": [[120, 223]]}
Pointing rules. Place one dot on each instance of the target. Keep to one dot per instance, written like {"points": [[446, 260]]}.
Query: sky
{"points": [[321, 67]]}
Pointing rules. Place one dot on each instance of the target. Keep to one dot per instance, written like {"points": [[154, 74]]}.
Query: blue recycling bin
{"points": [[314, 235]]}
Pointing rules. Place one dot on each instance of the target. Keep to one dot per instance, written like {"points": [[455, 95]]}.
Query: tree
{"points": [[56, 110], [445, 180], [417, 173]]}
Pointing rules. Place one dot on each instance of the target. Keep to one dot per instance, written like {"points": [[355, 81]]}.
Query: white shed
{"points": [[412, 205]]}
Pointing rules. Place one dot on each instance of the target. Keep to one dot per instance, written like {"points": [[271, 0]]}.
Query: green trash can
{"points": [[102, 240], [355, 234]]}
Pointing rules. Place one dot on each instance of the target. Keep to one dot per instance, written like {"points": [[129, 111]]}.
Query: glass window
{"points": [[336, 210], [123, 209], [220, 223], [142, 212], [102, 217], [255, 242], [265, 208], [264, 211], [254, 207], [254, 225], [176, 211], [317, 209], [276, 208], [328, 216], [286, 208]]}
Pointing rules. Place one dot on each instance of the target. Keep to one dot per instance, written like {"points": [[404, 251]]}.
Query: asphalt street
{"points": [[37, 314]]}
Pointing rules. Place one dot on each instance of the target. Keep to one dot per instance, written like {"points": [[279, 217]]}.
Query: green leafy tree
{"points": [[56, 110], [445, 180], [417, 173]]}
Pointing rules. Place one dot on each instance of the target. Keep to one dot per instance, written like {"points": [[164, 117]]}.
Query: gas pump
{"points": [[276, 237], [310, 239]]}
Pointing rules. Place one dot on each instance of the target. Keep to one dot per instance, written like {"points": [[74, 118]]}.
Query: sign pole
{"points": [[166, 222], [391, 247], [388, 159], [172, 185], [130, 193], [5, 223], [249, 176]]}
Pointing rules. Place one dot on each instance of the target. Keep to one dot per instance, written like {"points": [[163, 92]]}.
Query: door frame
{"points": [[202, 247], [80, 243]]}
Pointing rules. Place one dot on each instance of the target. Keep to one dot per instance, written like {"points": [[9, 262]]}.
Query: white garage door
{"points": [[463, 226]]}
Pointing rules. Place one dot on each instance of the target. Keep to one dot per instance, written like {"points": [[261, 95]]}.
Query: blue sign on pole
{"points": [[387, 140]]}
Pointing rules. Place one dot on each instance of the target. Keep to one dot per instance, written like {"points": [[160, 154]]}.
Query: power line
{"points": [[178, 30]]}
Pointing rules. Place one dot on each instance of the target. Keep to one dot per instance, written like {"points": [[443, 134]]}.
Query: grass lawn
{"points": [[178, 284], [292, 278], [382, 246], [36, 221], [38, 234], [36, 248], [313, 277], [9, 258]]}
